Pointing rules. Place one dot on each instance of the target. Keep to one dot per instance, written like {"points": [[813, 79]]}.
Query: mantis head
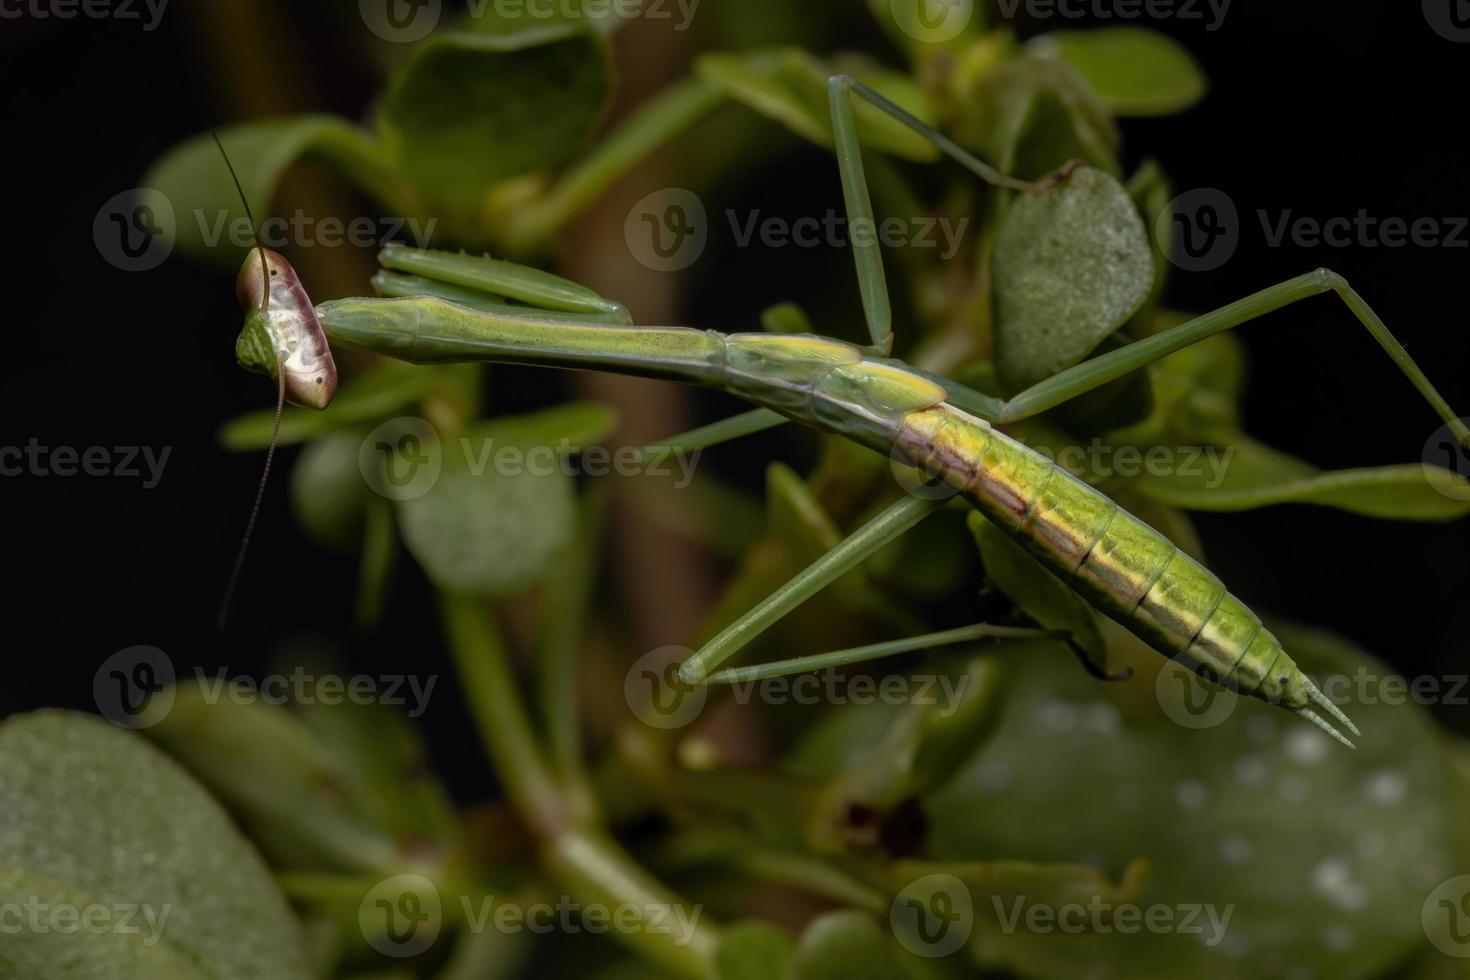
{"points": [[282, 332]]}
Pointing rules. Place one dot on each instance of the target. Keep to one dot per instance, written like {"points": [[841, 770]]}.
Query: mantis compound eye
{"points": [[282, 330]]}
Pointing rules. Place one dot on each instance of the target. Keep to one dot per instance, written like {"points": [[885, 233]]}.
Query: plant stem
{"points": [[588, 863], [483, 665]]}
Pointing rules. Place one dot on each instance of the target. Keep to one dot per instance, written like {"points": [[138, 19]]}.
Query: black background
{"points": [[1322, 108]]}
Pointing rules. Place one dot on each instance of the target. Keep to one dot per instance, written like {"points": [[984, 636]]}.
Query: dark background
{"points": [[1317, 107]]}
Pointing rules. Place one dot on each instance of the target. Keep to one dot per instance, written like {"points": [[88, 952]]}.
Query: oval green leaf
{"points": [[503, 503], [1243, 475], [95, 818], [1136, 72], [469, 110], [1322, 857], [210, 222], [1071, 267], [790, 86]]}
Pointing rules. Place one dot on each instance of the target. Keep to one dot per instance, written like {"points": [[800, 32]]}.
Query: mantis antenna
{"points": [[270, 453]]}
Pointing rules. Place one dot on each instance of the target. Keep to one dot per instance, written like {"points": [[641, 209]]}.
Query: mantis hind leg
{"points": [[841, 90], [867, 254], [1090, 374]]}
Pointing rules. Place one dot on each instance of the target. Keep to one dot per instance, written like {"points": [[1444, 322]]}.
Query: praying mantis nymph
{"points": [[437, 307]]}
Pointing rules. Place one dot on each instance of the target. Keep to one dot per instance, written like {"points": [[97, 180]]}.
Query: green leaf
{"points": [[785, 318], [1250, 475], [848, 945], [211, 224], [790, 86], [573, 426], [1039, 594], [1136, 72], [1031, 115], [366, 398], [268, 767], [1323, 856], [1070, 268], [503, 503], [897, 752], [470, 110], [91, 816], [328, 492], [753, 951], [1152, 191], [985, 897]]}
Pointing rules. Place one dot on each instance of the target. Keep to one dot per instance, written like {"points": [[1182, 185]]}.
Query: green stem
{"points": [[669, 113], [568, 597], [585, 861], [594, 867], [483, 666]]}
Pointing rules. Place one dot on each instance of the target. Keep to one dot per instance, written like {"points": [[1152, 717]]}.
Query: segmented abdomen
{"points": [[1121, 565]]}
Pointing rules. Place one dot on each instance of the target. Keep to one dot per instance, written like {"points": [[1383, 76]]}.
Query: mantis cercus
{"points": [[437, 307]]}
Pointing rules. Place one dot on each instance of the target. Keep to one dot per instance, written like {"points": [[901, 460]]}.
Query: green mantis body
{"points": [[1123, 566], [441, 307]]}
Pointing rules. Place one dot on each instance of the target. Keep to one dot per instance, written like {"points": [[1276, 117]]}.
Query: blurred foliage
{"points": [[1023, 788]]}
